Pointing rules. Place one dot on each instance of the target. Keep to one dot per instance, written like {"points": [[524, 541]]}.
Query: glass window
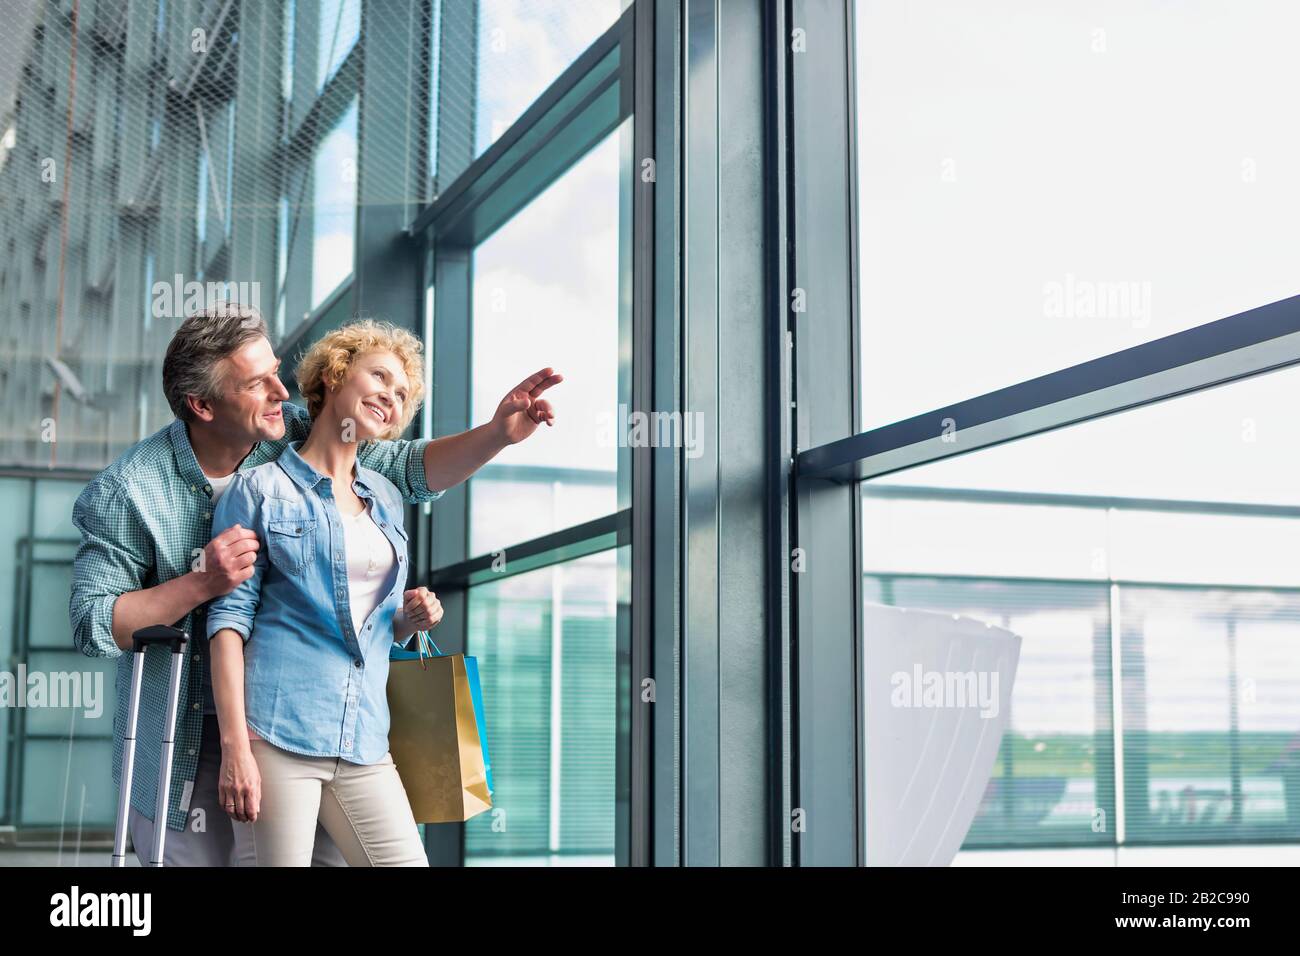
{"points": [[334, 212], [338, 29], [545, 642], [201, 212], [546, 292], [286, 74], [1139, 186], [523, 46], [1215, 738], [435, 59], [1197, 447], [1054, 771], [1152, 551], [58, 769]]}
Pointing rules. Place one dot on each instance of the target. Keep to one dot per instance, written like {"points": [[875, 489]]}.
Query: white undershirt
{"points": [[372, 565], [219, 484]]}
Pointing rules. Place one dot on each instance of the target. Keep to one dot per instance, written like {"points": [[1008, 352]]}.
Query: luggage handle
{"points": [[160, 634], [141, 640]]}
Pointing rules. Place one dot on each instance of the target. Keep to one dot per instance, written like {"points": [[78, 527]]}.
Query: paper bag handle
{"points": [[424, 639]]}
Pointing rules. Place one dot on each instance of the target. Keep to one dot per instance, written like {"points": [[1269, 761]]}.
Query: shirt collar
{"points": [[307, 477], [188, 462], [185, 459]]}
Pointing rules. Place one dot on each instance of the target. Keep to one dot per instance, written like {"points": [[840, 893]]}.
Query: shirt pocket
{"points": [[290, 542]]}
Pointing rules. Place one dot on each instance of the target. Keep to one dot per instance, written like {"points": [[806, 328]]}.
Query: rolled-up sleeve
{"points": [[402, 463], [240, 504], [113, 558]]}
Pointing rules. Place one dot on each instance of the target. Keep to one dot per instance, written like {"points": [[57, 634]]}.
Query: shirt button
{"points": [[358, 663], [347, 745], [196, 705], [207, 514], [196, 658], [194, 487], [191, 751], [208, 489]]}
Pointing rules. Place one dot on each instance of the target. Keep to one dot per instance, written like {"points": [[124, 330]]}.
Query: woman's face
{"points": [[373, 394]]}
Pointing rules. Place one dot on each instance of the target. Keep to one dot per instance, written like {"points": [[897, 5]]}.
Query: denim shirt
{"points": [[312, 684]]}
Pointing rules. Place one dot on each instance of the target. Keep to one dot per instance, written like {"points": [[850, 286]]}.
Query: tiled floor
{"points": [[11, 856]]}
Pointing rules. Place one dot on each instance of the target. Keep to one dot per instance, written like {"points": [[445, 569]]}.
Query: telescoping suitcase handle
{"points": [[142, 639]]}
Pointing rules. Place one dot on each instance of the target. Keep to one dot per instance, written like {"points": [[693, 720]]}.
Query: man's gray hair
{"points": [[199, 345]]}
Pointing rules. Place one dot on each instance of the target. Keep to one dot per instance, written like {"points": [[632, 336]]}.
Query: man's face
{"points": [[249, 407]]}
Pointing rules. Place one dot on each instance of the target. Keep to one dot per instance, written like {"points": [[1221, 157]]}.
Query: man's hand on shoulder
{"points": [[226, 562]]}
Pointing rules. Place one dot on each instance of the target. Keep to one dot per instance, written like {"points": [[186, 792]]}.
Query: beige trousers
{"points": [[361, 806]]}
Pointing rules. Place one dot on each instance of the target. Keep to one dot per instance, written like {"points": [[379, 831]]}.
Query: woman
{"points": [[300, 649]]}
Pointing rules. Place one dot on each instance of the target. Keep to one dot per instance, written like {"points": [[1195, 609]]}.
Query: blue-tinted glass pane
{"points": [[334, 216], [338, 30], [546, 293], [545, 643], [1039, 190], [523, 46], [1146, 560]]}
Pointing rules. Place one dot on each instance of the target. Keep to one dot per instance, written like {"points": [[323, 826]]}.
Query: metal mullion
{"points": [[450, 408], [639, 88], [529, 133], [1237, 347], [303, 330], [328, 106], [22, 619], [700, 745], [1063, 500], [1080, 582], [826, 671], [668, 501], [476, 168], [781, 399], [187, 85], [519, 179], [559, 546]]}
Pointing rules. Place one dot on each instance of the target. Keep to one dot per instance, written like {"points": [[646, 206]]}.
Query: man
{"points": [[147, 555]]}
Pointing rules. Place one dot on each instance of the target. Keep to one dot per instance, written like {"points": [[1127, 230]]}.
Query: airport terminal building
{"points": [[923, 485]]}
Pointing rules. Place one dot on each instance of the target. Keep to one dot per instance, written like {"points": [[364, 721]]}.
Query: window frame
{"points": [[832, 456], [590, 100]]}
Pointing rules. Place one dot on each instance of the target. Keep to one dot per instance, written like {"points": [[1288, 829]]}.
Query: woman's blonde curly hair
{"points": [[327, 362]]}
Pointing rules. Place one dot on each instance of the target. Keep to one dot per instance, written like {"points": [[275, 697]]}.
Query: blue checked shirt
{"points": [[143, 520], [313, 684]]}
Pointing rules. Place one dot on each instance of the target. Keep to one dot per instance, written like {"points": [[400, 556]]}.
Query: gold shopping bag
{"points": [[433, 736]]}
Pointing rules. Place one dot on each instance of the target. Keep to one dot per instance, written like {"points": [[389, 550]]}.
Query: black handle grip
{"points": [[160, 634]]}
